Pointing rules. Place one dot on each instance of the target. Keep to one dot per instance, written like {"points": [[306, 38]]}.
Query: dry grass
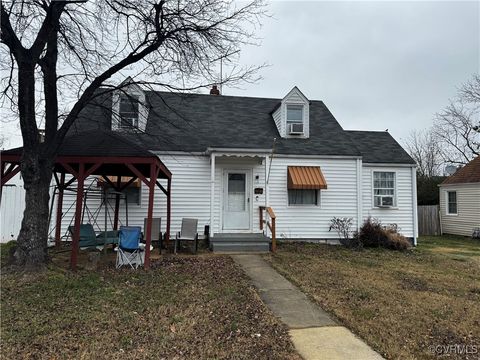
{"points": [[401, 303], [184, 308]]}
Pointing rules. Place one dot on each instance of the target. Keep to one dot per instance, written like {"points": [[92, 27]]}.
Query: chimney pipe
{"points": [[214, 90]]}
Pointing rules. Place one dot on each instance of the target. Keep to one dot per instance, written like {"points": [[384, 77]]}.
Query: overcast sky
{"points": [[376, 64]]}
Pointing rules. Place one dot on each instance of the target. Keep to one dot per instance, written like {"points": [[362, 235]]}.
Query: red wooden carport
{"points": [[105, 154]]}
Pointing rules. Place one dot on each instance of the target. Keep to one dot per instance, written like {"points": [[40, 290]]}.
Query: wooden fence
{"points": [[428, 220]]}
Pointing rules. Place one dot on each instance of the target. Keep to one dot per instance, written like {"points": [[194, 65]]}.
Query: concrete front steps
{"points": [[240, 243]]}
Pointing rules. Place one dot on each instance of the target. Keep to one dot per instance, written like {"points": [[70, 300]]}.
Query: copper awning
{"points": [[306, 177]]}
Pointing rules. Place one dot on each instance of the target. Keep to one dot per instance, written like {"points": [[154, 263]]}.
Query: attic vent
{"points": [[295, 129]]}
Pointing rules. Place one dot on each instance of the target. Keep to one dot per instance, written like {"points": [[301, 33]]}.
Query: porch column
{"points": [[212, 191], [78, 214], [148, 230], [117, 203], [169, 212], [58, 223]]}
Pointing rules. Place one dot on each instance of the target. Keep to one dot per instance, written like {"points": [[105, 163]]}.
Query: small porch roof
{"points": [[103, 153]]}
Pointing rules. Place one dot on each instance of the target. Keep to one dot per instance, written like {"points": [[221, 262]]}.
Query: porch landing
{"points": [[240, 243]]}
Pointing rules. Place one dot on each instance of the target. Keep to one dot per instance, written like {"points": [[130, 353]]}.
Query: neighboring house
{"points": [[230, 155], [460, 200]]}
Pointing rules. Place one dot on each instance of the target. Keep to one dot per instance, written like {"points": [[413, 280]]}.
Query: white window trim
{"points": [[395, 187], [447, 210]]}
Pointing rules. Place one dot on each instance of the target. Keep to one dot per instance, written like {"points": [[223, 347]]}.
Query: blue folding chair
{"points": [[129, 251]]}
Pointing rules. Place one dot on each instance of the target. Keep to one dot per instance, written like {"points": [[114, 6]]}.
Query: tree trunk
{"points": [[31, 252], [36, 169]]}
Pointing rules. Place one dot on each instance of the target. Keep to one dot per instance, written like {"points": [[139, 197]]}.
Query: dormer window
{"points": [[129, 107], [292, 116], [129, 111]]}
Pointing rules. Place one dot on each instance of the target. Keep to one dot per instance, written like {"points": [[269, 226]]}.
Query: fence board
{"points": [[428, 220]]}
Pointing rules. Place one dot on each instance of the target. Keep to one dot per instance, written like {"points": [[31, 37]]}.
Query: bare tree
{"points": [[58, 54], [425, 150], [457, 127]]}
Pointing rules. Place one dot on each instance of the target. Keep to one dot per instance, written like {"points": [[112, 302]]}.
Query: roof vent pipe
{"points": [[214, 90]]}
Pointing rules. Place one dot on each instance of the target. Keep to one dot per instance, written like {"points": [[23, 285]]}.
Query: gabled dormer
{"points": [[129, 110], [292, 116]]}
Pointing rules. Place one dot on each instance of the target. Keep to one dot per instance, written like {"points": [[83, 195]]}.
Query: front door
{"points": [[236, 200]]}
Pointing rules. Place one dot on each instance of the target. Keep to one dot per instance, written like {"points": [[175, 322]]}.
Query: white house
{"points": [[460, 200], [231, 155]]}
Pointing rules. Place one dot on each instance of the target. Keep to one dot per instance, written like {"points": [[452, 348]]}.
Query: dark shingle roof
{"points": [[470, 173], [97, 142], [195, 122], [379, 147]]}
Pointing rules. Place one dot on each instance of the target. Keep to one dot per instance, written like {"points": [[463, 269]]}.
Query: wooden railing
{"points": [[270, 225]]}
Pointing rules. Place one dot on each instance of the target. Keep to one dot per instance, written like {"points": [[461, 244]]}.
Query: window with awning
{"points": [[304, 185]]}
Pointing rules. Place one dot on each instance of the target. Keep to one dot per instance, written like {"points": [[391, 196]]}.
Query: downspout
{"points": [[414, 205], [359, 194]]}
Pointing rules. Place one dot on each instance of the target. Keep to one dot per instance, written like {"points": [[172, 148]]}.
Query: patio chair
{"points": [[130, 251], [156, 229], [89, 239], [187, 233]]}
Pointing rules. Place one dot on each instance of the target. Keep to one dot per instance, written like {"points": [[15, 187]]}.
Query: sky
{"points": [[376, 64]]}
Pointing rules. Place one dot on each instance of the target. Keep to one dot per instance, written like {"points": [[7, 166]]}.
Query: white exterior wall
{"points": [[468, 209], [11, 209], [312, 222], [191, 196], [402, 213], [278, 118]]}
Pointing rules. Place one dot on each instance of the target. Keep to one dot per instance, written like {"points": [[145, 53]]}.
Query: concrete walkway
{"points": [[314, 334]]}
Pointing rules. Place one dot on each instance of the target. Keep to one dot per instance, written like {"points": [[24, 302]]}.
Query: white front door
{"points": [[236, 200]]}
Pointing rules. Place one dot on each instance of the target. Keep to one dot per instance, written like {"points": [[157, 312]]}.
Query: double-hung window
{"points": [[129, 110], [295, 119], [451, 202], [383, 188]]}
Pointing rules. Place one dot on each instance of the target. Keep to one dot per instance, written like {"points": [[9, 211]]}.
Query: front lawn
{"points": [[184, 308], [404, 304]]}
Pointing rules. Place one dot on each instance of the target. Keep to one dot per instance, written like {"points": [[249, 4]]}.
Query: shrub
{"points": [[342, 227], [374, 234]]}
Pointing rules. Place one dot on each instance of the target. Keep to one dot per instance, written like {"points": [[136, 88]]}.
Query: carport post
{"points": [[169, 210], [148, 230], [117, 203], [58, 224], [78, 213]]}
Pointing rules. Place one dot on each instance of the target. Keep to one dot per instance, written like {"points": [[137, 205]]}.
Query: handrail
{"points": [[271, 226]]}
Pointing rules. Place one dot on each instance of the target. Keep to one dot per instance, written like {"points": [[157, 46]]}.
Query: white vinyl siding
{"points": [[11, 209], [468, 209], [277, 117], [312, 222], [191, 196], [402, 212]]}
